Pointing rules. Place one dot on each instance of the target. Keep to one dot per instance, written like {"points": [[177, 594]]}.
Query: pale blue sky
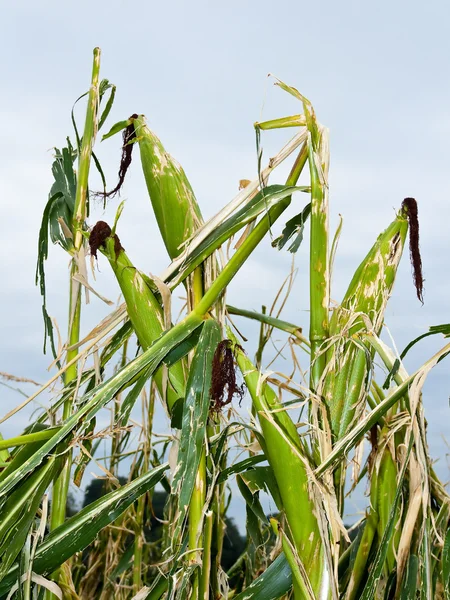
{"points": [[377, 74]]}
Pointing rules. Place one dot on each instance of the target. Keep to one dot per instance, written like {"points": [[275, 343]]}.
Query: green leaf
{"points": [[195, 417], [263, 478], [434, 329], [241, 466], [18, 513], [251, 498], [98, 166], [103, 393], [264, 200], [273, 583], [116, 342], [130, 399], [426, 572], [60, 206], [103, 88], [294, 226], [409, 585], [126, 560], [176, 418], [80, 530], [182, 349], [120, 126]]}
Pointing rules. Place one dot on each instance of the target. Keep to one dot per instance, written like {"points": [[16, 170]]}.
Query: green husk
{"points": [[147, 316], [173, 200], [286, 457], [345, 385]]}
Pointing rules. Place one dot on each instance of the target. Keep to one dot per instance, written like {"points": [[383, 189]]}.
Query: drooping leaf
{"points": [[58, 210], [116, 128], [241, 466], [434, 329], [103, 393], [294, 226], [103, 88], [81, 529], [251, 497], [263, 479], [130, 399]]}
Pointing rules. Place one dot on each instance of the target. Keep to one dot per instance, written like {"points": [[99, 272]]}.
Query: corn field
{"points": [[345, 411]]}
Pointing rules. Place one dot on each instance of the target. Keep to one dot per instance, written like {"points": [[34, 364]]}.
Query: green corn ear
{"points": [[344, 387], [173, 200], [382, 493], [282, 450], [359, 567], [144, 310]]}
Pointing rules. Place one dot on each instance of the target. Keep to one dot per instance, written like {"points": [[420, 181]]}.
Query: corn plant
{"points": [[304, 428]]}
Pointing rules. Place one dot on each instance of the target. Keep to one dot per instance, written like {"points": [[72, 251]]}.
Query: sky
{"points": [[376, 73]]}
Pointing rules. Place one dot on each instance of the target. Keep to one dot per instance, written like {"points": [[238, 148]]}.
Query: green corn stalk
{"points": [[318, 160], [61, 484]]}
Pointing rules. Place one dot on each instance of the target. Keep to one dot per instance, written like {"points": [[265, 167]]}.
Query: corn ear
{"points": [[146, 315], [362, 556], [362, 308], [383, 488], [173, 200], [284, 453]]}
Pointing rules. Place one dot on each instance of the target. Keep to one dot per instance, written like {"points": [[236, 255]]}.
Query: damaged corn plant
{"points": [[333, 409]]}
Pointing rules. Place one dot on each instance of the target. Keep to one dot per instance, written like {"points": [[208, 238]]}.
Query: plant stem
{"points": [[206, 561], [139, 535], [199, 492], [319, 273], [61, 484]]}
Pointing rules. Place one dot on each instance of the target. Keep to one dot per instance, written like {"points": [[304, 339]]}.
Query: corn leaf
{"points": [[251, 496], [264, 200], [294, 226], [195, 415], [102, 394], [19, 512], [59, 207], [81, 529], [273, 583], [241, 466]]}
